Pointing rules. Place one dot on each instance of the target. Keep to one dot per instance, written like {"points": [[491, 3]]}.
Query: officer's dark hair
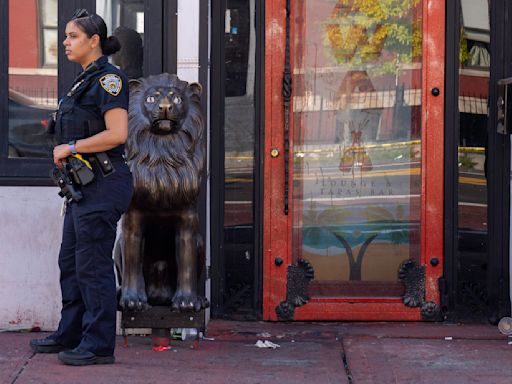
{"points": [[92, 24]]}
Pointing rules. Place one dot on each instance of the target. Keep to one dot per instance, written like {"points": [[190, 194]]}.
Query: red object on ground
{"points": [[161, 348], [160, 342]]}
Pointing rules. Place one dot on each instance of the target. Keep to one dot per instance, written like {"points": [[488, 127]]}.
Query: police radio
{"points": [[76, 171]]}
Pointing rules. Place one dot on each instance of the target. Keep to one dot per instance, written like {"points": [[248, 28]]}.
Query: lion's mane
{"points": [[166, 169]]}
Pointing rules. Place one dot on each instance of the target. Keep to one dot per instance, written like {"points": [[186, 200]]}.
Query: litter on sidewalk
{"points": [[267, 344]]}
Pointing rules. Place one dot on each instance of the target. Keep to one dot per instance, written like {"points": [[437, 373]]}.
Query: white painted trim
{"points": [[474, 72], [33, 71]]}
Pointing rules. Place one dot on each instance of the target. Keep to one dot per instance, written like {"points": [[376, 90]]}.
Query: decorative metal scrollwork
{"points": [[413, 277], [287, 94], [430, 311], [298, 278]]}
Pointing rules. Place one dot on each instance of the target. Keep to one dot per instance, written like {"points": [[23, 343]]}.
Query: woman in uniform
{"points": [[92, 118]]}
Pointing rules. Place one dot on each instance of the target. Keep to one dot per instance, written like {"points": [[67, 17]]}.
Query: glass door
{"points": [[476, 281], [473, 101], [357, 190], [239, 260], [235, 154]]}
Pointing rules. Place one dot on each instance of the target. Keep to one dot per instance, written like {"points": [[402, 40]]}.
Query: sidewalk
{"points": [[323, 353]]}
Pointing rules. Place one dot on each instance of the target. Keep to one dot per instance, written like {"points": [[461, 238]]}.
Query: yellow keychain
{"points": [[79, 157]]}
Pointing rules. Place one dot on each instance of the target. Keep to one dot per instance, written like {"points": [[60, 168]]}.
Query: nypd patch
{"points": [[111, 83]]}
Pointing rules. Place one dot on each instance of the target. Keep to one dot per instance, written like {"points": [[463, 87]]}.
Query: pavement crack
{"points": [[345, 362], [18, 375]]}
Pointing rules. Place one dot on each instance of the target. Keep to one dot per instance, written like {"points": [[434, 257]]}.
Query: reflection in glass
{"points": [[50, 47], [125, 20], [472, 188], [32, 77], [48, 12], [240, 43], [357, 142]]}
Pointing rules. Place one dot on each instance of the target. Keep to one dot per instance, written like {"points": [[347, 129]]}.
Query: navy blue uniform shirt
{"points": [[96, 90]]}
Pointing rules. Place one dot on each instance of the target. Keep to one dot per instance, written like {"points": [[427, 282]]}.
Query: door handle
{"points": [[504, 101]]}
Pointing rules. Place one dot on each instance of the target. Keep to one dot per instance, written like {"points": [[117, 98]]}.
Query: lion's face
{"points": [[165, 146], [165, 107]]}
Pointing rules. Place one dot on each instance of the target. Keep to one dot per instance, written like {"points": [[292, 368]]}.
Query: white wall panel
{"points": [[188, 40], [30, 240]]}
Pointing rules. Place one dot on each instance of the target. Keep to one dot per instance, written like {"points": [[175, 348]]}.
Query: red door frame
{"points": [[277, 236]]}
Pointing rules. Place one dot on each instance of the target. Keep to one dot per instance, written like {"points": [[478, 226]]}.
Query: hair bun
{"points": [[111, 45]]}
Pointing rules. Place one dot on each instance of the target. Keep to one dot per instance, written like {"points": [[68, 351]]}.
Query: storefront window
{"points": [[32, 76], [125, 20], [49, 41], [357, 142]]}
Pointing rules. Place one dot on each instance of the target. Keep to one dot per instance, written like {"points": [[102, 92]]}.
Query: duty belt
{"points": [[103, 161]]}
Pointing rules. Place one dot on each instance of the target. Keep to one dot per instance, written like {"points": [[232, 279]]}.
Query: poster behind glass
{"points": [[357, 142]]}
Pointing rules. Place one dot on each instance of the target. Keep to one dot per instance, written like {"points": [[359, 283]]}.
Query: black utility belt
{"points": [[103, 161], [77, 170]]}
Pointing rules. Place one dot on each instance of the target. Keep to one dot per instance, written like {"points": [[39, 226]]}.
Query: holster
{"points": [[78, 171], [104, 163]]}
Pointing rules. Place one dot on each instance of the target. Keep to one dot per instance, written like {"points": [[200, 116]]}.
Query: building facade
{"points": [[359, 153]]}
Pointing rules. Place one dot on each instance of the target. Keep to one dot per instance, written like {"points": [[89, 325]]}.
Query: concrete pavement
{"points": [[348, 353]]}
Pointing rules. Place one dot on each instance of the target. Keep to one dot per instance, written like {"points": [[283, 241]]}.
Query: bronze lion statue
{"points": [[161, 249]]}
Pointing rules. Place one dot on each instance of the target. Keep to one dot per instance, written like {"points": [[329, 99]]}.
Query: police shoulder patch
{"points": [[111, 83]]}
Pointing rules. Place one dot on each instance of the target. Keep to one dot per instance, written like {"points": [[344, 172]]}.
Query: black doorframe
{"points": [[448, 283], [217, 95], [170, 36], [202, 206], [153, 18], [259, 116], [497, 166], [217, 157]]}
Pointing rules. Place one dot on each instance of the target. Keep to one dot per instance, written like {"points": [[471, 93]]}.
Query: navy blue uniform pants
{"points": [[87, 280]]}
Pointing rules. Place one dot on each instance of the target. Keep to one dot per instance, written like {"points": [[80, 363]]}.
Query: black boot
{"points": [[80, 356], [47, 345]]}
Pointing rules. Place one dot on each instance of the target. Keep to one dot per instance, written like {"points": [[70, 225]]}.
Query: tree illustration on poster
{"points": [[374, 34], [352, 227]]}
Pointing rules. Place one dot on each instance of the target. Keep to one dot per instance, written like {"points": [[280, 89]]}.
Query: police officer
{"points": [[92, 118]]}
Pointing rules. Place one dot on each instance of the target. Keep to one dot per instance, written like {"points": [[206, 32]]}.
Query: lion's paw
{"points": [[189, 302], [133, 300]]}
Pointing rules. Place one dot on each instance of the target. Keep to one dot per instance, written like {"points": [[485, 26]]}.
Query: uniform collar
{"points": [[102, 60], [86, 74], [98, 63]]}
